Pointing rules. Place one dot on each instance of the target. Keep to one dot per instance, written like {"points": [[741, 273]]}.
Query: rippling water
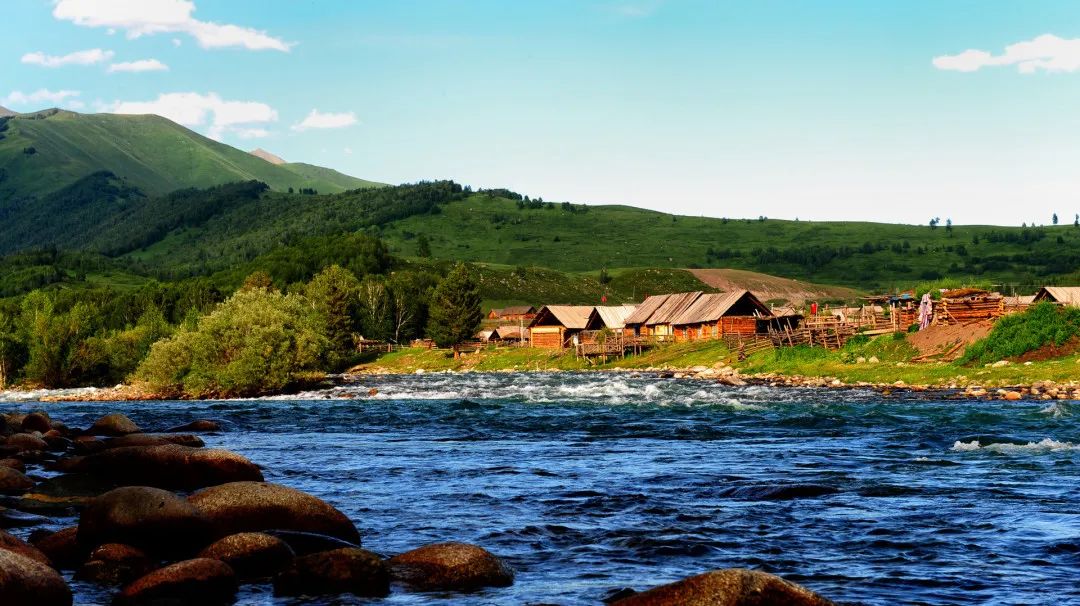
{"points": [[589, 483]]}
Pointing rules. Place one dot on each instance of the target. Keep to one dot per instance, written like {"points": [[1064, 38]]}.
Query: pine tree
{"points": [[455, 311], [423, 246]]}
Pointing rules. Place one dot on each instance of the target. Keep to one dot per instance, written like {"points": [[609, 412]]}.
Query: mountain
{"points": [[265, 155], [5, 112], [45, 151]]}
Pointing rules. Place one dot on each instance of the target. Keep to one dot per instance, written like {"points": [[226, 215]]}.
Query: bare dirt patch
{"points": [[769, 288], [1051, 351], [948, 342]]}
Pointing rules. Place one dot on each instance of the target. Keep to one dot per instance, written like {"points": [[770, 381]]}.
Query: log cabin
{"points": [[654, 317], [1062, 295], [714, 315], [514, 313], [555, 326]]}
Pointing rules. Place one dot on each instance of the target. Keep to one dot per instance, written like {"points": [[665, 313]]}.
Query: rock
{"points": [[304, 543], [251, 555], [1000, 364], [87, 445], [348, 570], [15, 464], [114, 424], [116, 564], [13, 518], [149, 518], [170, 466], [36, 421], [732, 587], [12, 543], [26, 441], [200, 426], [62, 547], [13, 481], [1012, 395], [451, 567], [255, 506], [154, 439], [873, 360], [74, 489], [26, 581], [196, 582]]}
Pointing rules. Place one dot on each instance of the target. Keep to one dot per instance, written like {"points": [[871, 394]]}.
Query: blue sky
{"points": [[888, 111]]}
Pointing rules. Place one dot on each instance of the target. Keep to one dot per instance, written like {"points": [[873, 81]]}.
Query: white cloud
{"points": [[219, 116], [142, 65], [84, 57], [44, 96], [317, 119], [348, 151], [149, 17], [251, 133], [1046, 52]]}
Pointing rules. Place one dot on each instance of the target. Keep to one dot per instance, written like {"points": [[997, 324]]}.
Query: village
{"points": [[747, 325]]}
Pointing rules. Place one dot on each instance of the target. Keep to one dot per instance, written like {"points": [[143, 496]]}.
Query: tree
{"points": [[11, 349], [1054, 219], [455, 308], [948, 226], [934, 222], [334, 297], [423, 246], [410, 295], [259, 280], [376, 319], [1076, 221]]}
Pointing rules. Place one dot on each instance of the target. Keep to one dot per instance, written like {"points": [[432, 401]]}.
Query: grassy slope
{"points": [[320, 174], [496, 231], [152, 153]]}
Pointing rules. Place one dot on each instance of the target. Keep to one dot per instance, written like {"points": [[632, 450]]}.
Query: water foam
{"points": [[1043, 445]]}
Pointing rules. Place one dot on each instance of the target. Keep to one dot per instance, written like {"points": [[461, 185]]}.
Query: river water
{"points": [[587, 483]]}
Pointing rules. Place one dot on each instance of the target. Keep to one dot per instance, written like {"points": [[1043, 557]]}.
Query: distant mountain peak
{"points": [[265, 155], [5, 112]]}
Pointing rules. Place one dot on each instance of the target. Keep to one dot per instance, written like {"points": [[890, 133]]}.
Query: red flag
{"points": [[603, 298]]}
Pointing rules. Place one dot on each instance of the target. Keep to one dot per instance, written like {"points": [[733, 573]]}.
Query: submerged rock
{"points": [[114, 424], [63, 548], [26, 441], [304, 543], [200, 426], [256, 506], [451, 566], [116, 564], [26, 581], [731, 587], [251, 555], [150, 518], [13, 481], [169, 466], [154, 439], [201, 582], [348, 570], [36, 421]]}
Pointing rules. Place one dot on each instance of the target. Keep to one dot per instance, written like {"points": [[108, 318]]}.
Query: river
{"points": [[587, 483]]}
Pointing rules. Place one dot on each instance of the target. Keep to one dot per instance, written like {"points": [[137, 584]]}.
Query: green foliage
{"points": [[455, 308], [258, 341], [1041, 325], [53, 339], [334, 296]]}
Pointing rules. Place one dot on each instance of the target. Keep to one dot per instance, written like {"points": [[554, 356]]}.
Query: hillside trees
{"points": [[334, 296]]}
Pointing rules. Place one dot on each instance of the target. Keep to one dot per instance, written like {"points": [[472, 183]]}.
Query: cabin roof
{"points": [[614, 316], [669, 308], [713, 306], [570, 316], [515, 310], [1069, 295], [646, 309], [506, 332]]}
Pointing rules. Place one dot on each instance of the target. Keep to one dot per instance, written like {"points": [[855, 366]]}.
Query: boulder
{"points": [[451, 567], [200, 426], [149, 518], [154, 439], [256, 506], [85, 445], [12, 543], [304, 543], [26, 581], [36, 421], [26, 441], [251, 555], [13, 481], [73, 489], [169, 466], [201, 581], [15, 464], [114, 424], [348, 570], [116, 564], [62, 547], [731, 587]]}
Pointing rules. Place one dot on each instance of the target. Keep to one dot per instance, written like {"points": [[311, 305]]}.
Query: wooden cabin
{"points": [[1062, 295], [510, 334], [965, 305], [514, 313], [555, 326], [654, 317], [1018, 303], [713, 315], [786, 318], [613, 317]]}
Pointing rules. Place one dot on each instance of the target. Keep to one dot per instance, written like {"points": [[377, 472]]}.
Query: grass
{"points": [[1044, 325]]}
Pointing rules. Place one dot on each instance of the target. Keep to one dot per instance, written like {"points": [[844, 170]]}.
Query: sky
{"points": [[892, 111]]}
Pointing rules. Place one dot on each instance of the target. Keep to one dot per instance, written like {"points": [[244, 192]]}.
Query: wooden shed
{"points": [[513, 314], [613, 316], [510, 334], [1062, 295], [964, 305], [555, 326], [713, 315], [655, 316]]}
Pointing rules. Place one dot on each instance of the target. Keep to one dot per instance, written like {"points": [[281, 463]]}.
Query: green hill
{"points": [[45, 151]]}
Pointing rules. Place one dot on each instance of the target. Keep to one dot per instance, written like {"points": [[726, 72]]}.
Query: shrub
{"points": [[1041, 325]]}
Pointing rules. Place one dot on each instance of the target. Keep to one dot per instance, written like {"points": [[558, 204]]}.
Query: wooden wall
{"points": [[547, 337]]}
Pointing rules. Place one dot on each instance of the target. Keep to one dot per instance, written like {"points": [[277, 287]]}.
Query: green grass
{"points": [[1040, 326], [154, 154]]}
